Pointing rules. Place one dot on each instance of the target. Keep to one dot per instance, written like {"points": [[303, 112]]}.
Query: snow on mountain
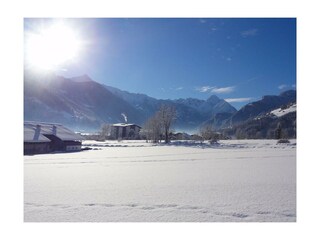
{"points": [[266, 125], [83, 104], [279, 112], [191, 112], [212, 105], [263, 106], [79, 103]]}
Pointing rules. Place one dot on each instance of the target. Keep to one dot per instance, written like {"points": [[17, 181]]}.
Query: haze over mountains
{"points": [[83, 105], [191, 112]]}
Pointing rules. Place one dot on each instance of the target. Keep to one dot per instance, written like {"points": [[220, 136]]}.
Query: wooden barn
{"points": [[49, 137], [125, 131]]}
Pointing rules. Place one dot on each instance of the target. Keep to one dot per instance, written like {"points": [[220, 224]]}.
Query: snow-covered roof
{"points": [[125, 125], [36, 131], [30, 135]]}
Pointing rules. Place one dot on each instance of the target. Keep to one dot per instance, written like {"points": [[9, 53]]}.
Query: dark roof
{"points": [[36, 131]]}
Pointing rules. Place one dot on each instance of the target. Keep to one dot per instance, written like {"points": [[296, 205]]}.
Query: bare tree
{"points": [[166, 115], [152, 129], [207, 133], [160, 124], [105, 131]]}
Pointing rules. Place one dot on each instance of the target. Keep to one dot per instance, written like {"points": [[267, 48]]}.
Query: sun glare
{"points": [[51, 47]]}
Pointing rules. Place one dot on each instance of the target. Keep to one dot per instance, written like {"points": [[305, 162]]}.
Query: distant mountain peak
{"points": [[266, 104], [213, 98]]}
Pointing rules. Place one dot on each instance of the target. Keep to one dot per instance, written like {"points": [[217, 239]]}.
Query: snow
{"points": [[281, 112], [132, 181], [31, 134]]}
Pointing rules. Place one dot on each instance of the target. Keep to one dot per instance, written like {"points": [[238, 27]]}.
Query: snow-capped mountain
{"points": [[79, 103], [252, 110], [191, 112], [267, 123], [279, 112], [83, 104], [261, 107], [212, 105]]}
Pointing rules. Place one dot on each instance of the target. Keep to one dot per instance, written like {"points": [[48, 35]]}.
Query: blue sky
{"points": [[237, 59]]}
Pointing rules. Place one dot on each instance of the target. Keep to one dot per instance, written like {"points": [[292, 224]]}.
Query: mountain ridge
{"points": [[81, 103], [267, 103], [191, 112]]}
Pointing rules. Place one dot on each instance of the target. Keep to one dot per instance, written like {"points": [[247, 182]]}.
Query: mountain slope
{"points": [[212, 105], [266, 104], [191, 112], [267, 124], [76, 102], [83, 104], [143, 102]]}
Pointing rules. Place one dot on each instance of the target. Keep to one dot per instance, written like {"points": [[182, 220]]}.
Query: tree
{"points": [[278, 131], [105, 131], [160, 124], [152, 129], [166, 115], [207, 133]]}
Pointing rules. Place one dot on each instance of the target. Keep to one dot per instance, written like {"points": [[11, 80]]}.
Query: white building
{"points": [[124, 131]]}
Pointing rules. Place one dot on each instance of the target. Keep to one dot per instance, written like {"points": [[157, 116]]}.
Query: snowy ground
{"points": [[238, 180]]}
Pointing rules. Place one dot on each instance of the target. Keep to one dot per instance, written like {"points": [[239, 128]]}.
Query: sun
{"points": [[50, 47]]}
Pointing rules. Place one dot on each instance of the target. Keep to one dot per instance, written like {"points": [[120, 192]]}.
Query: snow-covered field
{"points": [[238, 180]]}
